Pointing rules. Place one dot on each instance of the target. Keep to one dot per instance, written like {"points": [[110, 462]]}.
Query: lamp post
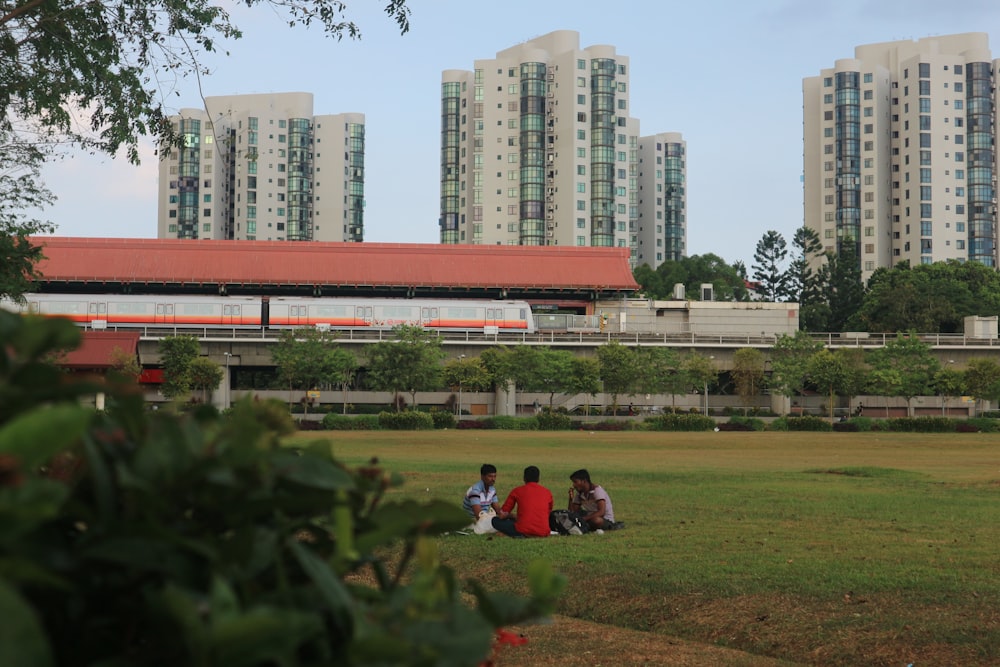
{"points": [[943, 397], [229, 382], [710, 358], [460, 372]]}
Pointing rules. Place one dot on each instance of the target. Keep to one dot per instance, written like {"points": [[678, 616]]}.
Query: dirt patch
{"points": [[568, 641]]}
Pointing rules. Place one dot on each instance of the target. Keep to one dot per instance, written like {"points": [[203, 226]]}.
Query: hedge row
{"points": [[546, 421]]}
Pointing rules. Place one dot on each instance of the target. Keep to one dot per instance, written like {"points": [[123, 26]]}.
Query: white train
{"points": [[252, 312]]}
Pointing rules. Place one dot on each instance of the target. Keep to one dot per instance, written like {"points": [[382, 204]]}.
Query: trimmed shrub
{"points": [[508, 423], [745, 424], [334, 422], [680, 422], [410, 420], [978, 424], [808, 423], [472, 424], [920, 425], [553, 421], [608, 425], [443, 419], [846, 427]]}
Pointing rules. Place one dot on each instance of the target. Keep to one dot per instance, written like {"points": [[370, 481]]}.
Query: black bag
{"points": [[565, 522]]}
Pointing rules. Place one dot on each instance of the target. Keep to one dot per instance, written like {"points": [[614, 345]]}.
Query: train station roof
{"points": [[145, 266]]}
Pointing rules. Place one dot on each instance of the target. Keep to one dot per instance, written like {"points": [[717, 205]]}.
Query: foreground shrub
{"points": [[680, 422], [442, 418], [808, 423], [408, 420], [143, 538], [332, 422], [553, 421], [920, 424], [606, 425], [508, 423], [744, 424], [979, 425]]}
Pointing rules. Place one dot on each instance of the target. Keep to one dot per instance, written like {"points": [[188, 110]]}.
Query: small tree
{"points": [[176, 355], [912, 359], [619, 370], [661, 372], [308, 358], [948, 382], [748, 374], [125, 365], [204, 375], [982, 379], [828, 373], [584, 377], [768, 266], [410, 363], [790, 363], [469, 374], [700, 373]]}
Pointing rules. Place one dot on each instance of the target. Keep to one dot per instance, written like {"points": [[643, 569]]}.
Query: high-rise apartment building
{"points": [[662, 199], [538, 147], [263, 167], [900, 155]]}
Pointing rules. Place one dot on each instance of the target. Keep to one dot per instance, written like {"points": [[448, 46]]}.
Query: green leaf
{"points": [[33, 438], [311, 471], [22, 639], [262, 635], [331, 589]]}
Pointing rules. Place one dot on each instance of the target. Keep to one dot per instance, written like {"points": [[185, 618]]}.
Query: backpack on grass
{"points": [[565, 522]]}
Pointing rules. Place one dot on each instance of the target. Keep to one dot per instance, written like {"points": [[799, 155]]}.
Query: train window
{"points": [[128, 308], [398, 312], [227, 310], [159, 309], [434, 312], [236, 311], [170, 308], [457, 312], [332, 311], [524, 315], [32, 306], [64, 307], [359, 311]]}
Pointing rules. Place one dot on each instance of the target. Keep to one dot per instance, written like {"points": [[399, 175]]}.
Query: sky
{"points": [[725, 74]]}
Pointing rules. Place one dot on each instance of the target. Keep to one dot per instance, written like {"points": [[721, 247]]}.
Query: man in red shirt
{"points": [[533, 502]]}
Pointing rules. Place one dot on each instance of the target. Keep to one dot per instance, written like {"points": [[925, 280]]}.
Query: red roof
{"points": [[249, 263], [97, 347]]}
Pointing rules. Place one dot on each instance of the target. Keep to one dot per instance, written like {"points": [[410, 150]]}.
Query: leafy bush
{"points": [[979, 424], [507, 423], [680, 422], [553, 421], [920, 424], [606, 425], [442, 419], [472, 424], [746, 424], [808, 423], [408, 420], [133, 537], [334, 422], [990, 414]]}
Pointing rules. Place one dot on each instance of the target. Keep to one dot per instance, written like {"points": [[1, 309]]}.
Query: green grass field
{"points": [[833, 548]]}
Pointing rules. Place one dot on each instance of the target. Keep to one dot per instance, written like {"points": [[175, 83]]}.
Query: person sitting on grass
{"points": [[533, 502], [592, 502], [483, 494]]}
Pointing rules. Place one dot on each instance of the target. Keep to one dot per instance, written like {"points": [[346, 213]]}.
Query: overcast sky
{"points": [[726, 74]]}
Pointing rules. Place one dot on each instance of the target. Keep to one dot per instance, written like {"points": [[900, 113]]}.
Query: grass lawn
{"points": [[814, 548]]}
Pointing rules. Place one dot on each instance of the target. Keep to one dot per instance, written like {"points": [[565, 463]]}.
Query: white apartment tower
{"points": [[538, 148], [263, 167], [662, 199], [900, 153]]}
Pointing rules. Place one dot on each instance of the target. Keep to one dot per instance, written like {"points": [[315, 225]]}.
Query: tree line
{"points": [[929, 298], [413, 361]]}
